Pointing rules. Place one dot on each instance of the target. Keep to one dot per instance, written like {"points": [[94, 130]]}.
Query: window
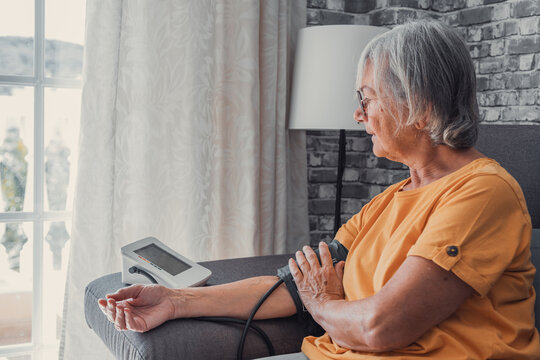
{"points": [[41, 48]]}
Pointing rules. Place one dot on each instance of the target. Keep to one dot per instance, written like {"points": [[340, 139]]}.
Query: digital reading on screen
{"points": [[162, 259], [148, 261]]}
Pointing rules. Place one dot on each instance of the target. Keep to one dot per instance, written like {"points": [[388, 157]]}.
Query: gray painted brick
{"points": [[493, 31], [355, 6], [355, 191], [475, 16], [511, 62], [317, 237], [322, 133], [462, 32], [528, 97], [361, 144], [389, 164], [374, 190], [473, 3], [491, 65], [326, 223], [324, 143], [313, 222], [526, 80], [522, 113], [314, 17], [525, 8], [474, 34], [322, 175], [315, 159], [351, 206], [497, 47], [335, 5], [362, 19], [479, 50], [511, 27], [501, 12], [414, 4], [330, 159], [490, 114], [336, 18], [524, 45], [526, 62], [321, 207], [327, 191], [351, 174], [448, 5], [498, 98], [384, 17], [382, 176], [528, 26], [482, 83], [313, 190], [497, 82], [355, 160], [318, 4]]}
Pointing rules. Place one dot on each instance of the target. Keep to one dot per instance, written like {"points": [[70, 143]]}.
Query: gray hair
{"points": [[425, 67]]}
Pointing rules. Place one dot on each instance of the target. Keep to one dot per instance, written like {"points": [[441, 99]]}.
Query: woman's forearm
{"points": [[349, 324], [235, 299]]}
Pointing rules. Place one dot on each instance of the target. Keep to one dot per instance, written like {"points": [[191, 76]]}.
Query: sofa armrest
{"points": [[191, 338]]}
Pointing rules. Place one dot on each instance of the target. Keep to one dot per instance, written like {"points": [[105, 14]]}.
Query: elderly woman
{"points": [[438, 265]]}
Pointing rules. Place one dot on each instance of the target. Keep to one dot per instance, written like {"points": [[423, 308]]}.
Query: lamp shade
{"points": [[324, 77]]}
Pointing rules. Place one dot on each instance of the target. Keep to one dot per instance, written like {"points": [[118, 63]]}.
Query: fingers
{"points": [[126, 293], [295, 271], [302, 262], [132, 323], [340, 267], [108, 307], [120, 321], [311, 257], [326, 257]]}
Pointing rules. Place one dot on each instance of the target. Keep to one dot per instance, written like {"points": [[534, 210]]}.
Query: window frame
{"points": [[38, 215]]}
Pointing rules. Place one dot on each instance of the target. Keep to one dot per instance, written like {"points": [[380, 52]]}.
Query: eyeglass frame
{"points": [[363, 102]]}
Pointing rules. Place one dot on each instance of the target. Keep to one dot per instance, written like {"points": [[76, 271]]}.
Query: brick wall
{"points": [[504, 40]]}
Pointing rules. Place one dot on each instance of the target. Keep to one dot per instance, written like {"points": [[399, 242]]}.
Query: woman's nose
{"points": [[359, 115]]}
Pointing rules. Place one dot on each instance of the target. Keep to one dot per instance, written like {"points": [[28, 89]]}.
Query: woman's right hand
{"points": [[139, 307]]}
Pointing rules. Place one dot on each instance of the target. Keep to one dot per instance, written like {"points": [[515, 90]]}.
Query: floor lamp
{"points": [[324, 84]]}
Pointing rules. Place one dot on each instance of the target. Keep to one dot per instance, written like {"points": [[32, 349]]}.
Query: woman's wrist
{"points": [[180, 299]]}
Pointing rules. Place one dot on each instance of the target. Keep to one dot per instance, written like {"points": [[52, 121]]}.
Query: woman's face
{"points": [[387, 140]]}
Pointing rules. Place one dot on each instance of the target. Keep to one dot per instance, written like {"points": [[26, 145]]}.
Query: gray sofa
{"points": [[517, 148]]}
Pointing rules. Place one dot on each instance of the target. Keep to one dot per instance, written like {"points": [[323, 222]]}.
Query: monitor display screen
{"points": [[162, 259]]}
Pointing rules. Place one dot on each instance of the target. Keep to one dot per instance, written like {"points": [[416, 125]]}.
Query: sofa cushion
{"points": [[191, 338]]}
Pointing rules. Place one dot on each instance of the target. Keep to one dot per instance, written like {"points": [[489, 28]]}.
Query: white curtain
{"points": [[183, 137]]}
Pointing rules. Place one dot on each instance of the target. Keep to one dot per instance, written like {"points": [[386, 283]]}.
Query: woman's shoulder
{"points": [[487, 177]]}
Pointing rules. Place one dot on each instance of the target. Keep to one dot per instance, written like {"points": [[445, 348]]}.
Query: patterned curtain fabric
{"points": [[184, 137]]}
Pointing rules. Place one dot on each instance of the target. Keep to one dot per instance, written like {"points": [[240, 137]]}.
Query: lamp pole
{"points": [[339, 180]]}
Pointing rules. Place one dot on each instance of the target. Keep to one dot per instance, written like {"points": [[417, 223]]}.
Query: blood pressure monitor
{"points": [[148, 261]]}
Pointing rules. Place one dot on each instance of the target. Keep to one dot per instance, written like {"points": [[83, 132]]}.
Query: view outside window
{"points": [[41, 52]]}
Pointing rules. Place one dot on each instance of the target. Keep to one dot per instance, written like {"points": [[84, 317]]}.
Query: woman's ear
{"points": [[421, 123]]}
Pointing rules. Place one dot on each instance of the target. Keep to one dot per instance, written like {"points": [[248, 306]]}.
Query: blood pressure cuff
{"points": [[338, 252]]}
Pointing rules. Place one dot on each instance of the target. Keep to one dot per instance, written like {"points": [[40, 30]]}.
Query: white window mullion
{"points": [[39, 69]]}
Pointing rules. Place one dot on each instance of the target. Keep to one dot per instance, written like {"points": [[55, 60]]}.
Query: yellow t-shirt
{"points": [[480, 210]]}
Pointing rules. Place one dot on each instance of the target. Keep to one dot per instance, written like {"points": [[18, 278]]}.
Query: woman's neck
{"points": [[440, 161]]}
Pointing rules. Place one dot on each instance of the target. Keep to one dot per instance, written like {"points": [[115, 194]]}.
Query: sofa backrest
{"points": [[517, 149], [535, 257]]}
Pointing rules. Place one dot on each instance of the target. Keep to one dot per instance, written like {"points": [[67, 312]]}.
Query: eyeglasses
{"points": [[363, 102]]}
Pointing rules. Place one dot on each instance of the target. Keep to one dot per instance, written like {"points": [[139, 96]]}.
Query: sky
{"points": [[64, 19]]}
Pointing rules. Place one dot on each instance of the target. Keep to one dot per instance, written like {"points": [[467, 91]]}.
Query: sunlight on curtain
{"points": [[183, 137]]}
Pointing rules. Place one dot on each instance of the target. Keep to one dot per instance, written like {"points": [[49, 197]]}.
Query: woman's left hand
{"points": [[317, 282]]}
